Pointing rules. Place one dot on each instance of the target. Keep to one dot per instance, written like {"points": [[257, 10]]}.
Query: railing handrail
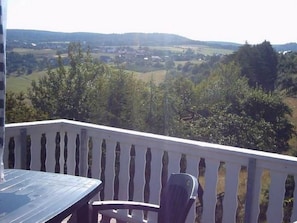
{"points": [[279, 160]]}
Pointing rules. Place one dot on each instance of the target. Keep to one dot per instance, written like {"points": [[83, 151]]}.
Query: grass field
{"points": [[23, 82], [42, 52], [202, 49], [157, 76]]}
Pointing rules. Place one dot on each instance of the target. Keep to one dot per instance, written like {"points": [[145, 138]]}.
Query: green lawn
{"points": [[23, 82]]}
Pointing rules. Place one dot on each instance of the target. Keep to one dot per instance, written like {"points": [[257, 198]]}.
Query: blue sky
{"points": [[215, 20]]}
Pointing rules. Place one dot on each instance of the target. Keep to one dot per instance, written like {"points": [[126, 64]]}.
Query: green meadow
{"points": [[22, 82]]}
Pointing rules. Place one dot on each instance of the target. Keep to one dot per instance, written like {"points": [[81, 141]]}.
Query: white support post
{"points": [[2, 83]]}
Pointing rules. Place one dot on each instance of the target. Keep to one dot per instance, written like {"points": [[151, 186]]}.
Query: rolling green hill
{"points": [[21, 37], [26, 37]]}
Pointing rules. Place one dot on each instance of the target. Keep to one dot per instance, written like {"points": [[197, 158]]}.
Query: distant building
{"points": [[156, 59]]}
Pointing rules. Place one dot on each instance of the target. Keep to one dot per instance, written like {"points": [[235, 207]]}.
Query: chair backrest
{"points": [[177, 198]]}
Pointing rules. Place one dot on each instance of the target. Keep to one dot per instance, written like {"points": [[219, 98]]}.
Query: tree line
{"points": [[235, 101]]}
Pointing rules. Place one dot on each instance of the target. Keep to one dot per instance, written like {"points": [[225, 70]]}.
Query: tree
{"points": [[64, 92], [258, 63], [18, 109], [267, 66], [230, 112], [154, 117], [287, 73], [175, 104], [21, 64], [87, 90], [269, 108], [124, 100], [169, 64]]}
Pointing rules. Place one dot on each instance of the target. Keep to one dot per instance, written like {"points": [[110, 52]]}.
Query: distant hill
{"points": [[15, 37], [97, 39], [286, 47]]}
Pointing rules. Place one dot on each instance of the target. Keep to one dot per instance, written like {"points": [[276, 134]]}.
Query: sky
{"points": [[239, 21]]}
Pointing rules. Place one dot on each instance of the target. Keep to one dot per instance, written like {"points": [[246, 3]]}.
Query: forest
{"points": [[235, 99]]}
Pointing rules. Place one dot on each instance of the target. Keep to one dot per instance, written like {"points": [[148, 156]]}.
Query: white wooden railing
{"points": [[135, 165]]}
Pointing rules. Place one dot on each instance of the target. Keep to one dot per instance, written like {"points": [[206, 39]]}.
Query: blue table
{"points": [[33, 196]]}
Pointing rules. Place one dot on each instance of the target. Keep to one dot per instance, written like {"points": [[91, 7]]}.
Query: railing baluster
{"points": [[124, 174], [109, 170], [77, 154], [210, 190], [58, 153], [173, 162], [164, 170], [109, 173], [139, 178], [96, 157], [50, 151], [124, 171], [43, 152], [71, 152], [65, 153], [35, 151], [96, 160], [9, 161], [18, 152], [155, 182], [294, 211], [230, 196], [276, 197], [6, 160], [61, 158], [23, 147]]}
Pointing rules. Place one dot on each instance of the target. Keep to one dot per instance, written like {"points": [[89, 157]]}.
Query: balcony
{"points": [[134, 166]]}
